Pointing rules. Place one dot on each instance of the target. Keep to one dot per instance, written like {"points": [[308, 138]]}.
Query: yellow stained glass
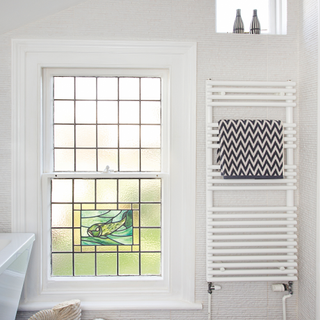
{"points": [[76, 235], [124, 206], [76, 218], [103, 206], [136, 218], [77, 248], [136, 236], [124, 248], [135, 248], [77, 206], [87, 248], [106, 248], [88, 206]]}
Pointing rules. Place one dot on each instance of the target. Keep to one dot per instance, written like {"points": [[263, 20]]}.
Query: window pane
{"points": [[63, 136], [84, 264], [86, 160], [62, 264], [150, 89], [150, 263], [129, 136], [107, 88], [150, 136], [84, 190], [61, 215], [86, 112], [61, 240], [129, 111], [128, 190], [108, 157], [85, 88], [150, 215], [107, 190], [61, 190], [128, 263], [63, 88], [150, 112], [129, 160], [63, 160], [129, 88], [107, 112], [85, 136], [150, 239], [150, 160], [107, 136], [150, 190], [63, 111], [106, 264]]}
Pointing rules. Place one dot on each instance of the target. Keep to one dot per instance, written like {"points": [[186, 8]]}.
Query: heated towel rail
{"points": [[251, 243]]}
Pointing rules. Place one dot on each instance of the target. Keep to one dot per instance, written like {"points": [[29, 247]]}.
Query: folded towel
{"points": [[251, 149]]}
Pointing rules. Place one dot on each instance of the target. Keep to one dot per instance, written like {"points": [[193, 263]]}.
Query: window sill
{"points": [[120, 305]]}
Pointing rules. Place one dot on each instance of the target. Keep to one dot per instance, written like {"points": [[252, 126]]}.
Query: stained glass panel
{"points": [[105, 228]]}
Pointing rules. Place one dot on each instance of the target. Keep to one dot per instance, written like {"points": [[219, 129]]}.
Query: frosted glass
{"points": [[107, 136], [150, 239], [128, 190], [150, 112], [64, 112], [62, 264], [129, 160], [129, 136], [106, 264], [150, 88], [85, 88], [63, 159], [150, 159], [84, 190], [108, 157], [128, 263], [129, 88], [129, 112], [86, 160], [107, 190], [86, 136], [107, 112], [150, 190], [61, 215], [61, 190], [61, 240], [63, 88], [150, 215], [150, 263], [107, 88], [84, 264], [86, 112], [150, 136], [64, 136]]}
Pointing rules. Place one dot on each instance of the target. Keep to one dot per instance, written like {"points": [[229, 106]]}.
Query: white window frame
{"points": [[175, 289]]}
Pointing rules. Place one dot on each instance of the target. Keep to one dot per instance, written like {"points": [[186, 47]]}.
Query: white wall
{"points": [[220, 57], [308, 111]]}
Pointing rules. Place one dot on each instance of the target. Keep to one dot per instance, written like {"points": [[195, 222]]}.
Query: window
{"points": [[142, 182], [272, 15], [105, 226]]}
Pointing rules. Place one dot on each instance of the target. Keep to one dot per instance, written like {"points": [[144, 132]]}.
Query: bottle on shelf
{"points": [[238, 23], [255, 24]]}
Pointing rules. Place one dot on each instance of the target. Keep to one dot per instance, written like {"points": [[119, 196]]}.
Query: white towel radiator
{"points": [[247, 243]]}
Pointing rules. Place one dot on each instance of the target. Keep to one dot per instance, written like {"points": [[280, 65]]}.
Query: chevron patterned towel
{"points": [[251, 149]]}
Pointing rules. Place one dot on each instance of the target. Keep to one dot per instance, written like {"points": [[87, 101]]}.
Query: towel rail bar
{"points": [[214, 209]]}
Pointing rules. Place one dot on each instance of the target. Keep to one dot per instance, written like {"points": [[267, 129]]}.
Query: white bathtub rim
{"points": [[18, 243]]}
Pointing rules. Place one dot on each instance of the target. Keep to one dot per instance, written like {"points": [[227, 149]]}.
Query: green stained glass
{"points": [[61, 240], [106, 264], [129, 263], [104, 228], [150, 239], [150, 263], [84, 264], [150, 190], [150, 215], [128, 190], [62, 264]]}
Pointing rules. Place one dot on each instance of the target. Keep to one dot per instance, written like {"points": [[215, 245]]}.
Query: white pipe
{"points": [[285, 125], [252, 188], [252, 104], [251, 90], [214, 209], [284, 298], [247, 97], [209, 306]]}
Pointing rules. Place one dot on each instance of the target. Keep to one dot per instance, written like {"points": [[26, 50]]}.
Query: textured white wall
{"points": [[220, 57], [308, 110]]}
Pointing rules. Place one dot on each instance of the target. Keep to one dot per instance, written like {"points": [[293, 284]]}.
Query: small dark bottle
{"points": [[255, 24], [238, 23]]}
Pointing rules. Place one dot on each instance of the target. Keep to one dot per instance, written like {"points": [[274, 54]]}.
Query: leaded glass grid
{"points": [[100, 121], [136, 202]]}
